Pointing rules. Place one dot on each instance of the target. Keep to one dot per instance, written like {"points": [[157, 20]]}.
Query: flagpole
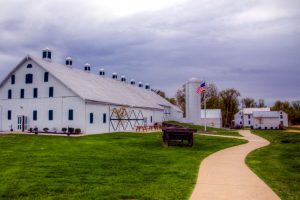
{"points": [[205, 110]]}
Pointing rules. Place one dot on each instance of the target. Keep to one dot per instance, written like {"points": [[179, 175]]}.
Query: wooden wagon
{"points": [[177, 133]]}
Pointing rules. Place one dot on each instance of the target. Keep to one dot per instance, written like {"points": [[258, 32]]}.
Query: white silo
{"points": [[193, 101]]}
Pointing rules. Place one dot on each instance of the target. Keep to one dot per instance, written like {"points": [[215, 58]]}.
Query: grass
{"points": [[211, 130], [107, 166], [279, 163]]}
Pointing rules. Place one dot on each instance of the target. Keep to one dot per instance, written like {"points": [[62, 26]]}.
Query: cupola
{"points": [[140, 84], [147, 86], [114, 75], [47, 54], [123, 78], [69, 62], [132, 82], [101, 72], [87, 67]]}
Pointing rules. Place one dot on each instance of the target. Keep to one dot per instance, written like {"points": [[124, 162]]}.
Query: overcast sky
{"points": [[251, 45]]}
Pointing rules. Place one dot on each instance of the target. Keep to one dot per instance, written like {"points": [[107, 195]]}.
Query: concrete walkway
{"points": [[224, 175]]}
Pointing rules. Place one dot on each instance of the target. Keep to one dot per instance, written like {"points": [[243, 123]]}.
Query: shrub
{"points": [[64, 130], [46, 129], [70, 130], [36, 130], [77, 130], [30, 130]]}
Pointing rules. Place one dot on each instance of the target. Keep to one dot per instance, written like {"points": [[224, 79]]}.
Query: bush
{"points": [[64, 130], [30, 130], [46, 129], [36, 130], [70, 130], [77, 130]]}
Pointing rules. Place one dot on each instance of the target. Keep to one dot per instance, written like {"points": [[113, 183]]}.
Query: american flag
{"points": [[201, 88]]}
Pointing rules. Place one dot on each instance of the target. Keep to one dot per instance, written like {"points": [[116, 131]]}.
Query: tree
{"points": [[248, 103], [281, 105], [212, 97], [261, 103], [230, 104], [180, 99]]}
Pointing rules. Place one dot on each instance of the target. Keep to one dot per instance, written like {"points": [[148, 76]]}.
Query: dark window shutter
{"points": [[9, 94], [35, 92], [9, 115], [34, 117], [46, 76], [50, 115], [91, 118], [22, 93], [70, 114], [13, 79], [51, 91], [104, 118]]}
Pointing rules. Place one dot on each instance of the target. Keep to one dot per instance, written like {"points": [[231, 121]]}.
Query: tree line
{"points": [[229, 101]]}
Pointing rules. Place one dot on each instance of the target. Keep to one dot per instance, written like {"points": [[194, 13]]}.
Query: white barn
{"points": [[43, 94], [260, 118]]}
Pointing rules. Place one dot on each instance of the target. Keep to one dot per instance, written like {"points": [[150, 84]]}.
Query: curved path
{"points": [[224, 175]]}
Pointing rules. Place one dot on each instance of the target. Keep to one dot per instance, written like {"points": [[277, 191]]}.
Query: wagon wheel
{"points": [[191, 142]]}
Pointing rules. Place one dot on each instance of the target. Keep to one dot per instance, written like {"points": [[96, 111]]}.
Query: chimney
{"points": [[123, 79], [140, 84], [47, 54], [147, 86], [132, 82], [114, 75], [101, 72], [69, 62], [87, 67]]}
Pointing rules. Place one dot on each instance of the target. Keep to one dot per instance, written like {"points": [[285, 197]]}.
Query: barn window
{"points": [[70, 114], [13, 79], [29, 66], [34, 115], [9, 115], [9, 94], [35, 92], [46, 76], [249, 122], [50, 115], [22, 93], [104, 118], [281, 116], [248, 116], [91, 118], [242, 117], [150, 119], [28, 78], [51, 91]]}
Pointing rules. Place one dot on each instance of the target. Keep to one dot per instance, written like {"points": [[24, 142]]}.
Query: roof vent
{"points": [[123, 78], [101, 72], [47, 54], [132, 82], [114, 75], [147, 86], [87, 67], [140, 84], [69, 62]]}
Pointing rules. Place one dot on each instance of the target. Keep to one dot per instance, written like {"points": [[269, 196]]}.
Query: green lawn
{"points": [[108, 166], [211, 130], [279, 163]]}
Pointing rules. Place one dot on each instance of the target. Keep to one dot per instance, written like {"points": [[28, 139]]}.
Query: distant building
{"points": [[212, 118], [41, 93], [260, 118]]}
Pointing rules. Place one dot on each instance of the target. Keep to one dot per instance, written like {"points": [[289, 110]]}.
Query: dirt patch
{"points": [[293, 131]]}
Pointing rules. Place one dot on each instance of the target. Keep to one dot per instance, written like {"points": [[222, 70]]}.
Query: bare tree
{"points": [[248, 103]]}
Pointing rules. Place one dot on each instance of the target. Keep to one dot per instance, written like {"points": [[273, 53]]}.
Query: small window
{"points": [[50, 115], [71, 114], [22, 93], [35, 93], [13, 79], [241, 123], [46, 76], [248, 116], [34, 115], [9, 94], [242, 117], [249, 122], [150, 119], [104, 118], [91, 118], [51, 91], [28, 78], [281, 117], [29, 66], [44, 54], [9, 115]]}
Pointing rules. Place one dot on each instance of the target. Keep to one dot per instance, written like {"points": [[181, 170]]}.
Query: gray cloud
{"points": [[250, 45]]}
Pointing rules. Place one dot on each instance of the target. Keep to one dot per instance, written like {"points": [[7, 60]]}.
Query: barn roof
{"points": [[248, 111], [268, 114], [90, 86]]}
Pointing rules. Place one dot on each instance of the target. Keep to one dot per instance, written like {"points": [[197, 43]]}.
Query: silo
{"points": [[193, 101]]}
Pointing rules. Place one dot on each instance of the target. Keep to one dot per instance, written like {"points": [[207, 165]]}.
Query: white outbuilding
{"points": [[41, 93], [260, 118]]}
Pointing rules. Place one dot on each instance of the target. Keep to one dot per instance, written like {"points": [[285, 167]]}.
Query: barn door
{"points": [[22, 123]]}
